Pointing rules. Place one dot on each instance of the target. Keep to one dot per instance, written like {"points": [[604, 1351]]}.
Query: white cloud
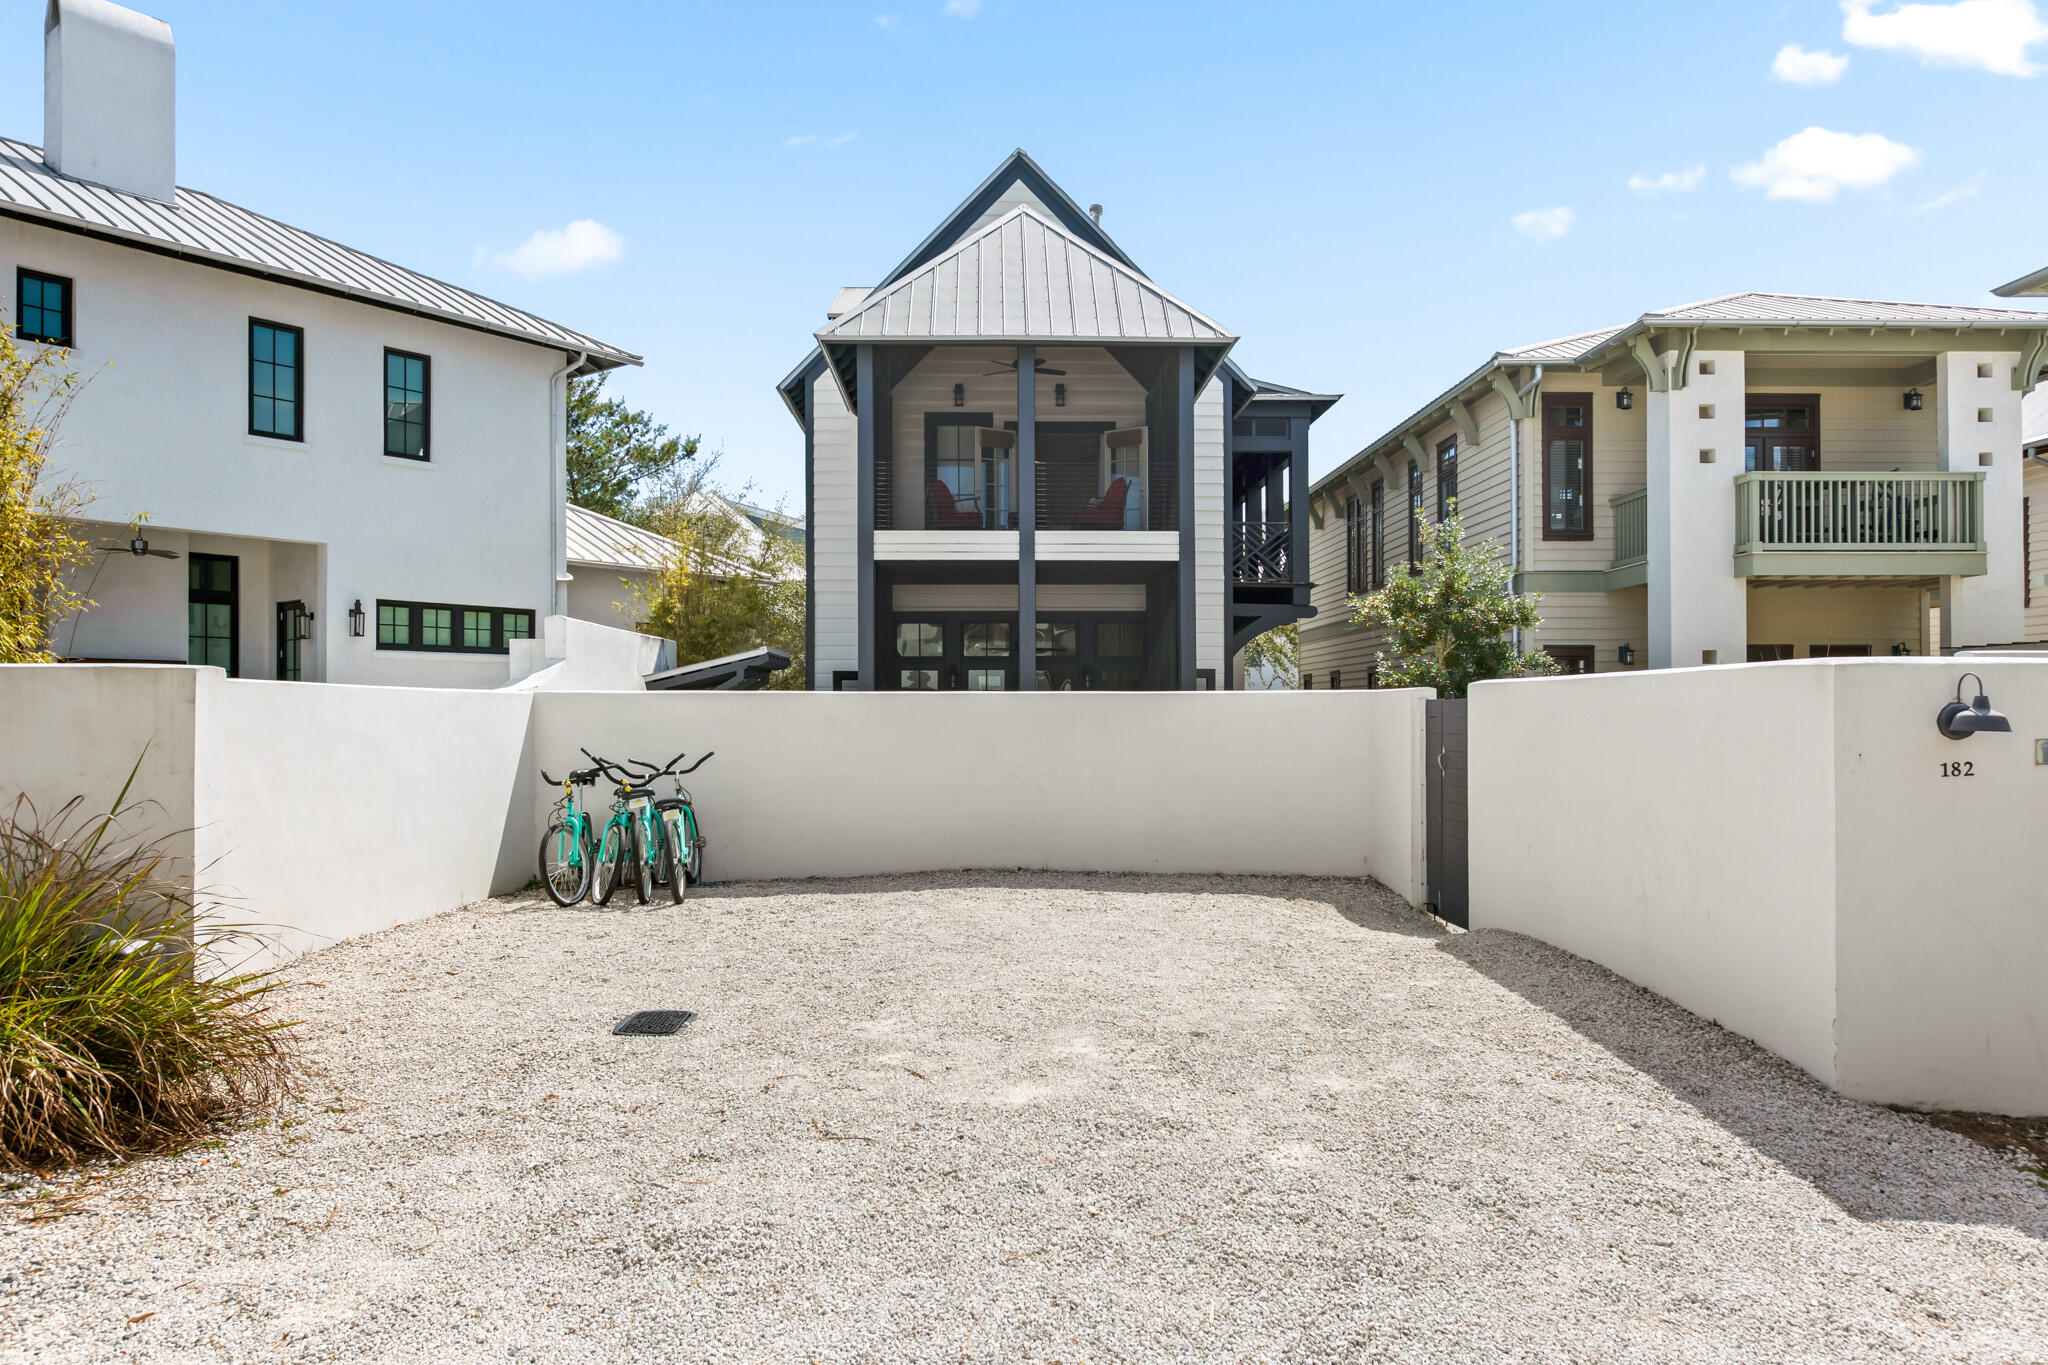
{"points": [[1967, 190], [559, 251], [888, 20], [1671, 182], [803, 141], [1544, 225], [841, 140], [1800, 67], [1993, 35], [962, 9], [1815, 163]]}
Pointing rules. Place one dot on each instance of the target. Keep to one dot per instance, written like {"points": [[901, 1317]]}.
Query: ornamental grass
{"points": [[116, 1040]]}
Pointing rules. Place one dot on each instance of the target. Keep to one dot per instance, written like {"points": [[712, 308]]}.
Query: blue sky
{"points": [[1374, 197]]}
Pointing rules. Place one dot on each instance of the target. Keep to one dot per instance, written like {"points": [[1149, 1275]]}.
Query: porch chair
{"points": [[1105, 513], [954, 514]]}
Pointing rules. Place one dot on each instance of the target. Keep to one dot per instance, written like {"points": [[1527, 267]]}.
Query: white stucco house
{"points": [[1751, 477], [359, 469], [1028, 466]]}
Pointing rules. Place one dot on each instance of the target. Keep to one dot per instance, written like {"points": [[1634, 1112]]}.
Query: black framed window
{"points": [[1571, 658], [42, 307], [449, 628], [1336, 679], [1567, 466], [277, 366], [406, 404], [1376, 515], [1414, 514], [1354, 545], [1446, 477], [213, 604], [1781, 432]]}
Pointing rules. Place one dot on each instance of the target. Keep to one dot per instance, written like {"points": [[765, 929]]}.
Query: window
{"points": [[1372, 676], [277, 356], [42, 307], [1838, 651], [1336, 679], [1781, 432], [1308, 682], [1414, 515], [1446, 477], [451, 629], [985, 640], [1571, 658], [1119, 640], [405, 404], [1764, 654], [1376, 501], [212, 601], [1567, 466], [1354, 545]]}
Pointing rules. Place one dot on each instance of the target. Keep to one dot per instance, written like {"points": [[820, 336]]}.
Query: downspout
{"points": [[558, 484], [1515, 490]]}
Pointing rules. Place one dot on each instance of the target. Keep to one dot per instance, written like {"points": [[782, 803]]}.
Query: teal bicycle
{"points": [[566, 850], [626, 845]]}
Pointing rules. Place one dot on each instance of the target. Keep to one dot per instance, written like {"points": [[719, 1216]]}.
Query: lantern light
{"points": [[1913, 400], [355, 619]]}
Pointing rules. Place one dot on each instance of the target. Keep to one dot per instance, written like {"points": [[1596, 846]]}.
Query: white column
{"points": [[1699, 609], [1977, 427]]}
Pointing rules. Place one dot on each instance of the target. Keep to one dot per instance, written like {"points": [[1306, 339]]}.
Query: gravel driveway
{"points": [[1008, 1117]]}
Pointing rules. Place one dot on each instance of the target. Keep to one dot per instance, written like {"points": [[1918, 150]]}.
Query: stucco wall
{"points": [[1775, 847]]}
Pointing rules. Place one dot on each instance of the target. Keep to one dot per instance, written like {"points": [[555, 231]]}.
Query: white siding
{"points": [[2037, 551], [835, 578], [1211, 489], [1010, 198]]}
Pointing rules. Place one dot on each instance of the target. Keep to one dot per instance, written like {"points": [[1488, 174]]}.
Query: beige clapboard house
{"points": [[1757, 476], [2034, 440]]}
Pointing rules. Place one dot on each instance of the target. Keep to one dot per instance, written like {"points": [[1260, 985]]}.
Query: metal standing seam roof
{"points": [[1726, 310], [1024, 279], [203, 228], [597, 539]]}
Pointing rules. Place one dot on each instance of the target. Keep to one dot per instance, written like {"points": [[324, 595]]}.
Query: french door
{"points": [[948, 653], [1096, 652], [213, 601], [1781, 433]]}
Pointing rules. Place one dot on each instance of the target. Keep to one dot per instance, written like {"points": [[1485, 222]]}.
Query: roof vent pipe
{"points": [[1095, 212], [109, 94]]}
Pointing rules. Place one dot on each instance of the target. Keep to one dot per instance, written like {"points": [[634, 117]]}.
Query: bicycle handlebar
{"points": [[622, 772]]}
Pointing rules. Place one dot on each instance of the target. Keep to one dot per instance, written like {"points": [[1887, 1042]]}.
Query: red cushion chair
{"points": [[951, 514], [1105, 513]]}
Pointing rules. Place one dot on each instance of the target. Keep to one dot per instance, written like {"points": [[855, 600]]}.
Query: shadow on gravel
{"points": [[1872, 1162]]}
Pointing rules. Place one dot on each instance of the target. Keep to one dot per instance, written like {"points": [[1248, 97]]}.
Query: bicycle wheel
{"points": [[693, 840], [605, 869], [671, 866], [643, 864], [565, 862]]}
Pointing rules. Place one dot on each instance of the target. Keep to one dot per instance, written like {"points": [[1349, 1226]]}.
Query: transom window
{"points": [[276, 366], [405, 404], [1567, 466], [42, 307], [450, 629], [1781, 433]]}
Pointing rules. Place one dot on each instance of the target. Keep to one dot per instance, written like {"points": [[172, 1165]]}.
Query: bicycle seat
{"points": [[631, 793], [669, 803]]}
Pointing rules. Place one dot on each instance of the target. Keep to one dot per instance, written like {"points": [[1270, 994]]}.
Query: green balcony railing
{"points": [[1631, 527], [1827, 512]]}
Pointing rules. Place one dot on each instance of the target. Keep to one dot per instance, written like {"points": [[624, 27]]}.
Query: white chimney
{"points": [[109, 87]]}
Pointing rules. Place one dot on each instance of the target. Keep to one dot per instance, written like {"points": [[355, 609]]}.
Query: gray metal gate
{"points": [[1449, 891]]}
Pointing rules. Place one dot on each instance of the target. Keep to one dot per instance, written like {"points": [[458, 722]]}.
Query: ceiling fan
{"points": [[1010, 367], [139, 547]]}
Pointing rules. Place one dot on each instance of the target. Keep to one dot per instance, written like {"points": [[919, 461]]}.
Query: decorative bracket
{"points": [[2027, 373], [1468, 430], [1655, 377], [1519, 405], [1417, 450]]}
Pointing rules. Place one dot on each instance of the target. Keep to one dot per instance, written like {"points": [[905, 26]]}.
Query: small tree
{"points": [[39, 541], [1448, 621], [1278, 652], [617, 453], [731, 587]]}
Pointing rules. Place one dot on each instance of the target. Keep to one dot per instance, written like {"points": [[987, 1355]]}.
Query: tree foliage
{"points": [[619, 456], [1449, 621], [732, 587], [1278, 652], [39, 541]]}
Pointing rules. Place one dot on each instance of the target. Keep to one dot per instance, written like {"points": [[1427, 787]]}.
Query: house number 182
{"points": [[1963, 769]]}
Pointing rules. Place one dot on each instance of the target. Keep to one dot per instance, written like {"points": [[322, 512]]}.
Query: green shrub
{"points": [[111, 1044]]}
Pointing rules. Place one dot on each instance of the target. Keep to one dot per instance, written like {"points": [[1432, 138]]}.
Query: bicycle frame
{"points": [[577, 822]]}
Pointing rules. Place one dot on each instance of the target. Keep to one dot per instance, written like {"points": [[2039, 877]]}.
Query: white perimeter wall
{"points": [[1775, 848]]}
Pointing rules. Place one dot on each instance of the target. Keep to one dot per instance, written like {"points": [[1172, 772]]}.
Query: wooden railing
{"points": [[1259, 551], [1631, 527], [1832, 512]]}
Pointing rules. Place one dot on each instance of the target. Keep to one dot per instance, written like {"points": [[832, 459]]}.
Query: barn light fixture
{"points": [[1625, 656], [1957, 721], [1625, 399], [355, 619], [1059, 395], [1912, 400], [959, 395], [1901, 649]]}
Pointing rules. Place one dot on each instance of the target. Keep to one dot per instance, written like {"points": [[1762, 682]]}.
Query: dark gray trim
{"points": [[864, 514], [1297, 507], [1018, 166], [1026, 474], [811, 376], [1184, 458], [746, 672]]}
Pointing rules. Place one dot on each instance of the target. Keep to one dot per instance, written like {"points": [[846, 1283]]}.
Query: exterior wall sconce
{"points": [[302, 623], [355, 619], [1957, 721], [1625, 656], [1912, 399], [1901, 649], [1059, 395], [959, 395], [1625, 399]]}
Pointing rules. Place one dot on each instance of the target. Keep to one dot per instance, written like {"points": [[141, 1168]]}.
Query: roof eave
{"points": [[2026, 286]]}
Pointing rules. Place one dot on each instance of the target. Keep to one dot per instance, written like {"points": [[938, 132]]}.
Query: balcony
{"points": [[1859, 525], [1259, 553], [1631, 512]]}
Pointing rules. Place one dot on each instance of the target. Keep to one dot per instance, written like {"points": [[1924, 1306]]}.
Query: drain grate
{"points": [[654, 1023]]}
